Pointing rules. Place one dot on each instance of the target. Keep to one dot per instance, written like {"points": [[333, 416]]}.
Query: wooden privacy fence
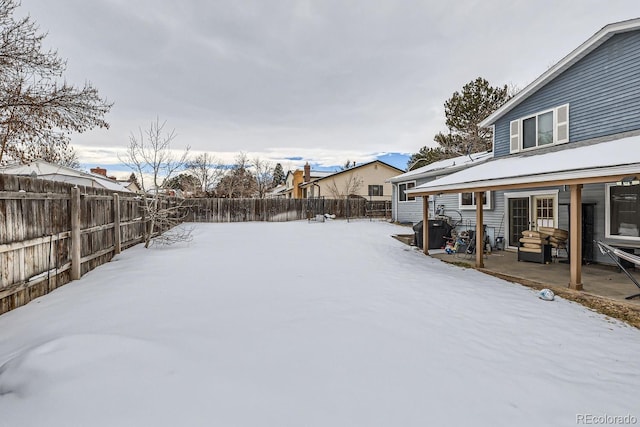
{"points": [[54, 232], [240, 210]]}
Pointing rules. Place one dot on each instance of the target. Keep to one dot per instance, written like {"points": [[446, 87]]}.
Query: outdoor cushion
{"points": [[532, 245], [534, 233], [556, 240], [534, 250], [555, 232], [536, 240]]}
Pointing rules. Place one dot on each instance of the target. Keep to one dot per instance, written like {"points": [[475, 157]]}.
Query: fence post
{"points": [[144, 219], [76, 240], [117, 242]]}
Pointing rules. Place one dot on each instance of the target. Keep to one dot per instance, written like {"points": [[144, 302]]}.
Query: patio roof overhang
{"points": [[588, 163], [571, 177]]}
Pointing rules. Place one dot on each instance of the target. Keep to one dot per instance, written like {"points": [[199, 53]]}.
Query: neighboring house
{"points": [[130, 185], [295, 179], [567, 150], [368, 180], [460, 208], [44, 170], [126, 183], [277, 192]]}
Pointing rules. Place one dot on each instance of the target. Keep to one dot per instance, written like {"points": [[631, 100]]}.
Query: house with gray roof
{"points": [[566, 151]]}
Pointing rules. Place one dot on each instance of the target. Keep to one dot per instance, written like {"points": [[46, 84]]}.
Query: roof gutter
{"points": [[571, 177]]}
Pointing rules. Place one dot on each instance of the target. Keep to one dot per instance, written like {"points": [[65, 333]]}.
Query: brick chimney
{"points": [[99, 171], [307, 172]]}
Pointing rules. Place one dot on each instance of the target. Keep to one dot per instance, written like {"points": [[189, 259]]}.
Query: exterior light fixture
{"points": [[628, 181]]}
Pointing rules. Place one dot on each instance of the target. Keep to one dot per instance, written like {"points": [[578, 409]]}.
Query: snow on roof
{"points": [[49, 171], [320, 174], [279, 189], [576, 55], [330, 174], [444, 166], [589, 160]]}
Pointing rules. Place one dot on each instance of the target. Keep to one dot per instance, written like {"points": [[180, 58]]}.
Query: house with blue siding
{"points": [[566, 151], [457, 209]]}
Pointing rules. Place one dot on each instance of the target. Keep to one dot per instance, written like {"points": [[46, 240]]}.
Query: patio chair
{"points": [[534, 246], [616, 254], [557, 239]]}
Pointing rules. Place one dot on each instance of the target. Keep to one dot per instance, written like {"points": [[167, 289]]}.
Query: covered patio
{"points": [[588, 162]]}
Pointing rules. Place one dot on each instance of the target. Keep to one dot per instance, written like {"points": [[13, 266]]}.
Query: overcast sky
{"points": [[295, 81]]}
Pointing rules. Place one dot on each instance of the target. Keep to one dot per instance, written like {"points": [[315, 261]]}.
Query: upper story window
{"points": [[541, 129], [468, 200], [404, 197]]}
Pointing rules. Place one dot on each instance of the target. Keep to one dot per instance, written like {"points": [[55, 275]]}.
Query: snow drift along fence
{"points": [[240, 210]]}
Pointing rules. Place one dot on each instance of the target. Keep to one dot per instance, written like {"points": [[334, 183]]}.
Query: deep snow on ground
{"points": [[307, 324]]}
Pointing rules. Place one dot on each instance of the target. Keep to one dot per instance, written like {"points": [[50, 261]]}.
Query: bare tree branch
{"points": [[349, 187], [35, 108], [149, 155], [263, 172], [208, 169]]}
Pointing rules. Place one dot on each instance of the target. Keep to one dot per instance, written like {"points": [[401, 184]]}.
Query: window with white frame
{"points": [[540, 129], [402, 195], [622, 211], [468, 200]]}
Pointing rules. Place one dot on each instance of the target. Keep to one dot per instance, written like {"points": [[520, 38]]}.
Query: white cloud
{"points": [[325, 80]]}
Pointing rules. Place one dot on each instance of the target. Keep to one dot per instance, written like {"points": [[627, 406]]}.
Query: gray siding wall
{"points": [[464, 219], [602, 90], [406, 212]]}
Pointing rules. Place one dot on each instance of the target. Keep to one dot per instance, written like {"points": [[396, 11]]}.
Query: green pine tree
{"points": [[463, 112], [278, 175]]}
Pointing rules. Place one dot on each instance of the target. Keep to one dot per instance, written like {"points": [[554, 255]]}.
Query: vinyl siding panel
{"points": [[602, 89], [463, 219], [408, 211], [466, 219]]}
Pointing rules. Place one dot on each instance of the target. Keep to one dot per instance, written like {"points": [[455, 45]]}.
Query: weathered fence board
{"points": [[35, 234]]}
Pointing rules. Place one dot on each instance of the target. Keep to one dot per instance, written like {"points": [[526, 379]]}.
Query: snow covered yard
{"points": [[307, 324]]}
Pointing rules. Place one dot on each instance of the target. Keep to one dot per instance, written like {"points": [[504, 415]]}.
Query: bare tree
{"points": [[238, 182], [49, 151], [349, 187], [149, 154], [208, 169], [263, 172], [38, 112]]}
